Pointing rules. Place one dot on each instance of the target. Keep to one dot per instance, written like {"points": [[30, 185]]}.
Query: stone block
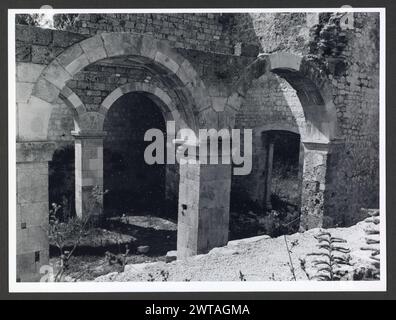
{"points": [[111, 98], [28, 72], [234, 101], [149, 47], [33, 214], [283, 60], [32, 239], [56, 74], [65, 39], [208, 119], [94, 49], [167, 62], [143, 249], [44, 54], [23, 52], [251, 240], [33, 119], [219, 103], [33, 35], [73, 59], [215, 194], [171, 256], [91, 121], [187, 74], [46, 91], [32, 183], [34, 152], [27, 267], [119, 44], [95, 164], [23, 91], [165, 98]]}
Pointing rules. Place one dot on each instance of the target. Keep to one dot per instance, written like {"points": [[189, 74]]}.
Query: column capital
{"points": [[89, 134], [316, 145]]}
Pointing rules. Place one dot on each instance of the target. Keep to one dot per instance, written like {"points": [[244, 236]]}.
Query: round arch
{"points": [[311, 85], [52, 81], [168, 108]]}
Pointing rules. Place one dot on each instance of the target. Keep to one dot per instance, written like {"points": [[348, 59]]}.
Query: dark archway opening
{"points": [[285, 182], [61, 184], [273, 208], [135, 187]]}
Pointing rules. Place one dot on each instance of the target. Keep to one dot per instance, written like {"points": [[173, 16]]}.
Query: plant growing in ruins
{"points": [[60, 233], [303, 265], [242, 277], [290, 263], [332, 257], [373, 271], [69, 234], [58, 21], [120, 259]]}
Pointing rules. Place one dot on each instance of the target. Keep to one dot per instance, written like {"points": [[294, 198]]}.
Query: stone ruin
{"points": [[92, 89]]}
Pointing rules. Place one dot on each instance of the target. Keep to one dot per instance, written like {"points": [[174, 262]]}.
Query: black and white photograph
{"points": [[197, 150]]}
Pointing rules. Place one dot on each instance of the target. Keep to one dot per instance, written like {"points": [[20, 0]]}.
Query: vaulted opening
{"points": [[135, 187], [61, 182], [274, 207]]}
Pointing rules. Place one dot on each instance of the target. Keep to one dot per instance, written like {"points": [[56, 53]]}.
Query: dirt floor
{"points": [[89, 260], [256, 259]]}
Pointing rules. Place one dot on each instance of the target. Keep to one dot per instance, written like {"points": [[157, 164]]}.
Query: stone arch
{"points": [[315, 94], [278, 126], [310, 83], [164, 101], [52, 81]]}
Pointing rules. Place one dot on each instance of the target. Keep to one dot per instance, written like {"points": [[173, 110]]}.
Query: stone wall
{"points": [[270, 104], [349, 58], [205, 32]]}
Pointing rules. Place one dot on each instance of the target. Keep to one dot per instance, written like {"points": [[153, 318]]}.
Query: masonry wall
{"points": [[349, 58], [204, 32], [35, 48], [270, 104]]}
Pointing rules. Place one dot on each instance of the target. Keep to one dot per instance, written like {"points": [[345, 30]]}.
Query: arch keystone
{"points": [[149, 47], [121, 44], [285, 60]]}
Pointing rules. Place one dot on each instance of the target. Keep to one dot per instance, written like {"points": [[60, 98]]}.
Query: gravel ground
{"points": [[257, 259]]}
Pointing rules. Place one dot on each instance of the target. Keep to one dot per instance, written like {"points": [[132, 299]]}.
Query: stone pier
{"points": [[204, 206], [89, 172]]}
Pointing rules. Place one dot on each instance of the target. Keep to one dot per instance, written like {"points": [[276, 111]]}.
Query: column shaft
{"points": [[89, 175]]}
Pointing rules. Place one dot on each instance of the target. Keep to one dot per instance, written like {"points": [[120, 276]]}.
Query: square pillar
{"points": [[268, 173], [32, 208], [313, 185], [204, 207], [89, 173]]}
